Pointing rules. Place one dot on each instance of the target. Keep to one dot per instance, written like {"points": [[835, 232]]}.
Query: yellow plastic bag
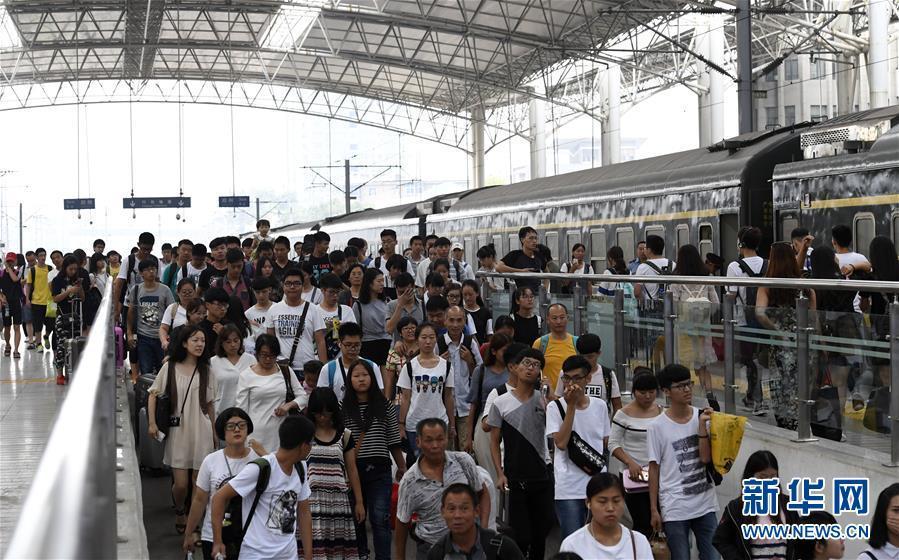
{"points": [[726, 436]]}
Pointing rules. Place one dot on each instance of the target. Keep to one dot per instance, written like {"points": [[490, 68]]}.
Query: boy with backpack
{"points": [[275, 494]]}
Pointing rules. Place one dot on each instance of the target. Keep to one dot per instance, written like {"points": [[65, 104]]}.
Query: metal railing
{"points": [[70, 511], [729, 331]]}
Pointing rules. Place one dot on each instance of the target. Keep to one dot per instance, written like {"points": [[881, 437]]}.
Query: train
{"points": [[813, 175]]}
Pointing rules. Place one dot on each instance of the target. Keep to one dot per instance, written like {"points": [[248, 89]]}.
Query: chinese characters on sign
{"points": [[805, 495]]}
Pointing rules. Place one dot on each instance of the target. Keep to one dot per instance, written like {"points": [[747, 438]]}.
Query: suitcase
{"points": [[119, 348], [149, 451], [74, 349], [141, 396]]}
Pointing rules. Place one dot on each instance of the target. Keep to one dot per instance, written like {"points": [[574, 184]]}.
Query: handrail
{"points": [[70, 511], [794, 283]]}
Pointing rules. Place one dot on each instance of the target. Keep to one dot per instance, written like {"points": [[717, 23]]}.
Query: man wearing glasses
{"points": [[298, 324], [333, 313], [681, 496], [335, 373]]}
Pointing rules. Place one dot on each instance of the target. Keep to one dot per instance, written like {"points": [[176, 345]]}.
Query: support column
{"points": [[537, 127], [878, 52], [744, 66], [478, 177], [710, 44], [611, 124]]}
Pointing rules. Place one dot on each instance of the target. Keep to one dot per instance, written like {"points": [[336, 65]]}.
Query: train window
{"points": [[598, 250], [653, 230], [683, 235], [705, 240], [788, 222], [514, 243], [863, 226], [498, 245], [551, 240], [896, 228], [624, 238]]}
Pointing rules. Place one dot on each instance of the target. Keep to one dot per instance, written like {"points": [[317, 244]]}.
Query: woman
{"points": [[268, 392], [475, 309], [68, 290], [232, 426], [265, 269], [191, 392], [99, 277], [115, 263], [604, 537], [628, 443], [196, 313], [371, 313], [577, 265], [837, 318], [486, 377], [525, 316], [729, 541], [617, 265], [373, 423], [226, 365], [774, 308], [696, 306], [331, 468], [405, 348], [883, 543], [504, 324], [453, 294], [355, 273], [426, 385], [175, 315], [884, 268]]}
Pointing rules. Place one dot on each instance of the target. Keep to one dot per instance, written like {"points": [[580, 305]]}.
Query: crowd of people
{"points": [[306, 402]]}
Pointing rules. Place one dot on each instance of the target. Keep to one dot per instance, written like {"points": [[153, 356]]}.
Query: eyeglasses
{"points": [[221, 304], [266, 355], [292, 284], [526, 296], [351, 346], [529, 363], [232, 426], [573, 379], [683, 386]]}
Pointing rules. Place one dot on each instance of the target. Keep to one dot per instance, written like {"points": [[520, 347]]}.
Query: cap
{"points": [[458, 245], [11, 257]]}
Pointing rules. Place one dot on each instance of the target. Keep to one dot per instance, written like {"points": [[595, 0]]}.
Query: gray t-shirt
{"points": [[372, 317], [151, 306], [417, 312]]}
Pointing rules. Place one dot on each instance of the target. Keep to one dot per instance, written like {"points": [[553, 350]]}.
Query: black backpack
{"points": [[751, 293], [663, 271], [443, 345], [233, 534]]}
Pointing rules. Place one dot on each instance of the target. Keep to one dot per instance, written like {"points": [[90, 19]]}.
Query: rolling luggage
{"points": [[149, 451]]}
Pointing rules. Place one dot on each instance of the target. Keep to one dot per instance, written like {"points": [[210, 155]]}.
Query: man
{"points": [[284, 500], [422, 486], [281, 263], [601, 383], [232, 242], [417, 245], [335, 374], [166, 254], [265, 249], [802, 243], [430, 240], [177, 269], [525, 259], [298, 324], [11, 302], [217, 304], [38, 294], [362, 246], [641, 258], [352, 257], [388, 244], [298, 250], [556, 346], [319, 259], [333, 313], [27, 318], [458, 253], [247, 247], [655, 265], [436, 309], [749, 265], [459, 507], [197, 263], [405, 305], [219, 266], [149, 300], [129, 275], [234, 282], [434, 286], [518, 420], [461, 350], [682, 499], [850, 261], [338, 263], [459, 272]]}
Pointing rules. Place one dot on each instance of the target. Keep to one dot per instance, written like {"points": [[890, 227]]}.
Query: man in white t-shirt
{"points": [[602, 383], [655, 265], [336, 373], [682, 499], [850, 261], [333, 313], [272, 531], [293, 319]]}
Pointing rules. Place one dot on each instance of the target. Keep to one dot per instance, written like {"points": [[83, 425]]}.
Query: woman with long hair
{"points": [[884, 268], [371, 313], [227, 363], [616, 265], [884, 539], [577, 265], [191, 390], [474, 307], [525, 315], [696, 305], [68, 288], [265, 268], [354, 275], [774, 309], [175, 315], [373, 423], [486, 377]]}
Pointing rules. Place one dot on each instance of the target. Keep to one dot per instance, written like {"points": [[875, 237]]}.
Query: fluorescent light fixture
{"points": [[289, 27], [9, 36]]}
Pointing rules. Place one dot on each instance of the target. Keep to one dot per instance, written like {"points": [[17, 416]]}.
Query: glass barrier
{"points": [[601, 321]]}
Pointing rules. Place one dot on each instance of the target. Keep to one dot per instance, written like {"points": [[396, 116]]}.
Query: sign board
{"points": [[78, 204], [234, 202], [130, 203], [760, 94]]}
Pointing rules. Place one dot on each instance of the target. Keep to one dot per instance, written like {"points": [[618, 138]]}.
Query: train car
{"points": [[850, 175]]}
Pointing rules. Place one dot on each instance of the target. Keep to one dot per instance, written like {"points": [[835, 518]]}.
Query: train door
{"points": [[470, 252], [706, 243], [551, 240], [498, 246], [624, 238], [572, 239], [682, 235], [598, 249], [863, 231], [788, 220], [728, 225]]}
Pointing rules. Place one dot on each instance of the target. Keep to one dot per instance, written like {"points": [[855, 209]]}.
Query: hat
{"points": [[458, 246], [714, 259], [11, 257]]}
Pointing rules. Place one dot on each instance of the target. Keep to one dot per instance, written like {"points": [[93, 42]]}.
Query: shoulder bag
{"points": [[296, 340], [581, 453]]}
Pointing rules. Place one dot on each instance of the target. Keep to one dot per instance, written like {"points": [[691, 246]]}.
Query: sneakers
{"points": [[39, 347], [30, 346], [760, 409], [60, 379]]}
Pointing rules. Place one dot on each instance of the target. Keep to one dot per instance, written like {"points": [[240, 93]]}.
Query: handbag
{"points": [[164, 401], [639, 486], [290, 395], [581, 453], [658, 543]]}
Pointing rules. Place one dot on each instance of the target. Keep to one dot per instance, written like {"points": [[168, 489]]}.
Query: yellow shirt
{"points": [[555, 354], [40, 292]]}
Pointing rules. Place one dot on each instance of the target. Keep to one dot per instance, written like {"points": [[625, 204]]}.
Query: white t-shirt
{"points": [[193, 273], [285, 319], [596, 386], [852, 258], [215, 472], [734, 270], [180, 316], [337, 384], [333, 319], [427, 395], [651, 291], [272, 533], [314, 295], [226, 375], [582, 543], [259, 322], [675, 447], [488, 404], [592, 425]]}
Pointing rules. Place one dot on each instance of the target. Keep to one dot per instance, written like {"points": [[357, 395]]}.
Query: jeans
{"points": [[149, 354], [377, 485], [572, 516], [531, 514], [703, 527]]}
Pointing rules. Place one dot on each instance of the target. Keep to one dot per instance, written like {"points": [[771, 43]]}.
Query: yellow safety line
{"points": [[856, 201], [29, 380]]}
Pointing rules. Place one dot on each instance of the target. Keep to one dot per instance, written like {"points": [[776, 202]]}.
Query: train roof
{"points": [[720, 165], [375, 217]]}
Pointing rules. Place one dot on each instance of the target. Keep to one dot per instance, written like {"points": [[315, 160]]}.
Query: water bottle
{"points": [[189, 556]]}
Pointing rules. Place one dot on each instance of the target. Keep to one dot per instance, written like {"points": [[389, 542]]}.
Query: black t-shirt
{"points": [[517, 259], [208, 274], [211, 336], [278, 270], [480, 318], [59, 285], [320, 265], [527, 330], [12, 290]]}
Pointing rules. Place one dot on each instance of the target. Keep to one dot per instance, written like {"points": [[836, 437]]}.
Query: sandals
{"points": [[7, 351], [180, 515], [16, 355]]}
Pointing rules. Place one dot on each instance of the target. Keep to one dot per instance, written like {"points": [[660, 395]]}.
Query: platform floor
{"points": [[29, 402]]}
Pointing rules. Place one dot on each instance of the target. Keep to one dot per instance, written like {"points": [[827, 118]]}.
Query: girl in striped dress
{"points": [[331, 469]]}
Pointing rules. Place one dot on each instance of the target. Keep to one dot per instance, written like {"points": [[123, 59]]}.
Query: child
{"points": [[332, 474], [262, 228], [311, 371], [258, 315]]}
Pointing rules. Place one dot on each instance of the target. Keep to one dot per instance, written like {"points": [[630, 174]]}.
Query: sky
{"points": [[42, 147]]}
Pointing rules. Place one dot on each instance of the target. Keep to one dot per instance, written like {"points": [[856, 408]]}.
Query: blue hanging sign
{"points": [[130, 203], [234, 202], [78, 204]]}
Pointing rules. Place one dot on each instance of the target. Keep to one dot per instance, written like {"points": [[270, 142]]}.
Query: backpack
{"points": [[544, 343], [443, 345], [751, 293], [265, 473], [412, 378], [663, 271], [697, 308]]}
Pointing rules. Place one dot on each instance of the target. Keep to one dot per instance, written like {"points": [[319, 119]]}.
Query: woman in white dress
{"points": [[229, 360], [269, 392]]}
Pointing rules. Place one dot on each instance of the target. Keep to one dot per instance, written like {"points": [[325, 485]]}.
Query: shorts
{"points": [[12, 313]]}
